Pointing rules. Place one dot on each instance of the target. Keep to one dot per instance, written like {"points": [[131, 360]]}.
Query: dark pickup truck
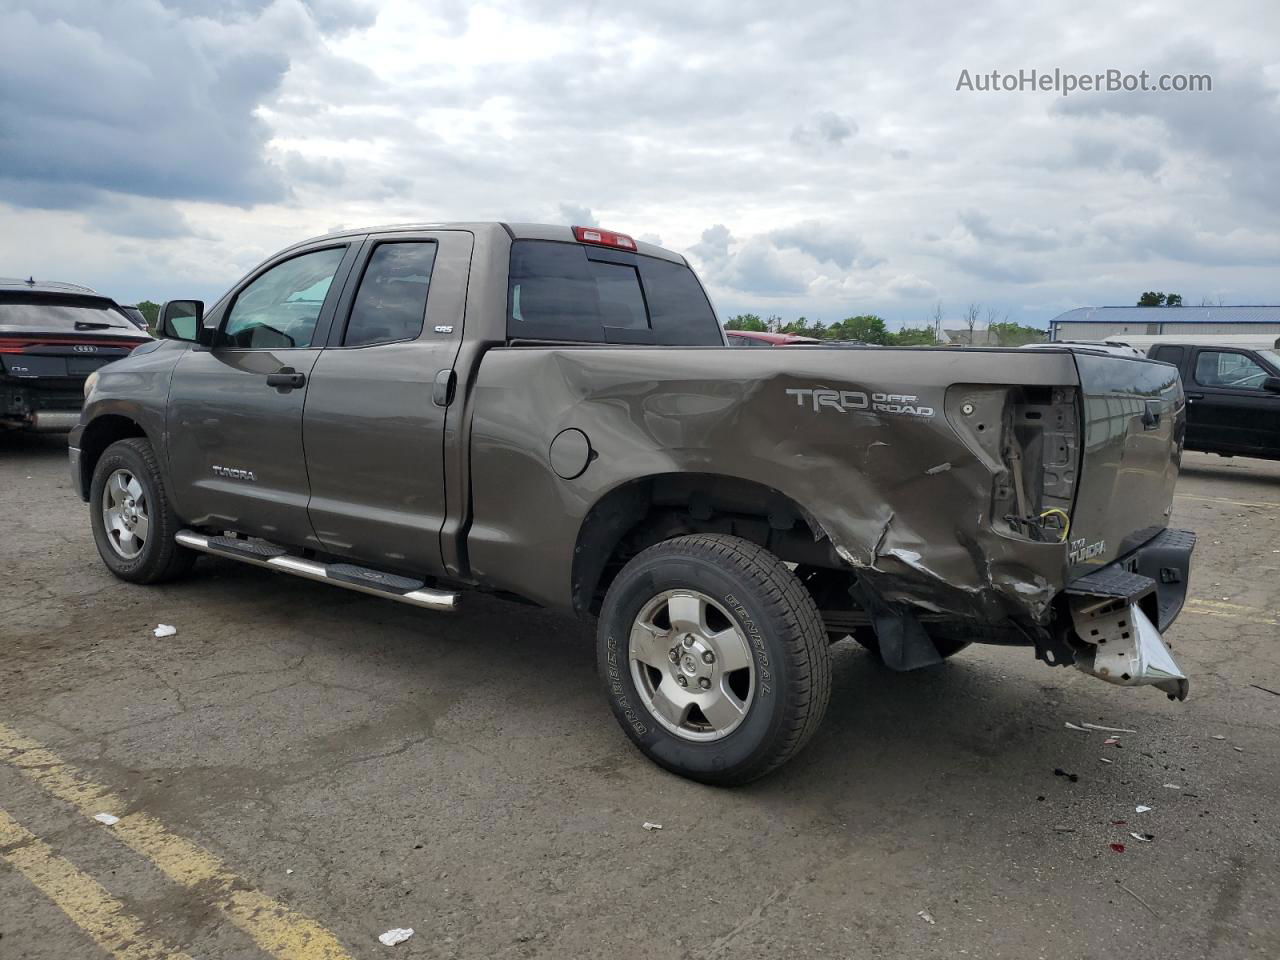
{"points": [[1233, 397], [552, 413]]}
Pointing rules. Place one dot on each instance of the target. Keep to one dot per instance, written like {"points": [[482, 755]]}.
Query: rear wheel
{"points": [[133, 523], [714, 658]]}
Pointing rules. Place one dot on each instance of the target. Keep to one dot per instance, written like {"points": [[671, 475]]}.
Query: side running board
{"points": [[346, 575]]}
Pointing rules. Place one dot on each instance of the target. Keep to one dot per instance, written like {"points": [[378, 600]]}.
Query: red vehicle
{"points": [[749, 338]]}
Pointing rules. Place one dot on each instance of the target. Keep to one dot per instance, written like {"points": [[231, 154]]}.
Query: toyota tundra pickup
{"points": [[553, 414]]}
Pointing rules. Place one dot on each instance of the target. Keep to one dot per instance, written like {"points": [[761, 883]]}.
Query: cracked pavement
{"points": [[462, 775]]}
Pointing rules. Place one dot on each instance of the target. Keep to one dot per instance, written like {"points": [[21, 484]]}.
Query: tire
{"points": [[768, 678], [140, 552]]}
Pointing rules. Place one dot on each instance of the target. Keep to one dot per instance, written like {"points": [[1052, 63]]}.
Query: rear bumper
{"points": [[1119, 612]]}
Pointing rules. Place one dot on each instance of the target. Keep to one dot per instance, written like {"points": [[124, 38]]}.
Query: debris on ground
{"points": [[1063, 828], [1173, 786], [1072, 726], [1140, 808], [1138, 898], [1274, 693], [1118, 847], [652, 826], [1098, 726], [1105, 760], [1059, 772], [1238, 749], [395, 935], [1119, 823], [926, 916], [165, 630], [1218, 736], [1144, 837], [106, 818], [1111, 742], [287, 872]]}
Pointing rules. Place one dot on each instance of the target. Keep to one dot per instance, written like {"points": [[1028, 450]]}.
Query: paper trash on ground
{"points": [[395, 935], [165, 630], [106, 818]]}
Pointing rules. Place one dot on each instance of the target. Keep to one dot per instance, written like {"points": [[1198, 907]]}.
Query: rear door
{"points": [[235, 411], [1231, 409], [374, 425]]}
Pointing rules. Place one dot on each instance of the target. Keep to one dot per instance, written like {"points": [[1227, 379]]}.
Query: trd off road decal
{"points": [[842, 401]]}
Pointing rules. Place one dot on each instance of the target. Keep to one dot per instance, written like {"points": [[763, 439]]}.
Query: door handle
{"points": [[1195, 396], [286, 378]]}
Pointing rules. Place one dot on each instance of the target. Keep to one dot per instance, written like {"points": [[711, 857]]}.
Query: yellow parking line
{"points": [[80, 897], [1230, 611], [1266, 504], [274, 927]]}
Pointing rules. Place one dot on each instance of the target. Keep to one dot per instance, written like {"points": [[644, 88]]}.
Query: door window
{"points": [[391, 303], [1222, 369], [280, 308]]}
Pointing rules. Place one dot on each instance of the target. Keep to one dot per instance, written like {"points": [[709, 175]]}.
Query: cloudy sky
{"points": [[813, 161]]}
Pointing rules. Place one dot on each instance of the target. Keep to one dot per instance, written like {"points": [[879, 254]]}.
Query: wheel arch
{"points": [[647, 510], [100, 433]]}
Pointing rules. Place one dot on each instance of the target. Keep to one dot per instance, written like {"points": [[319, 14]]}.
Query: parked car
{"points": [[1233, 397], [752, 338], [135, 316], [52, 336], [547, 413]]}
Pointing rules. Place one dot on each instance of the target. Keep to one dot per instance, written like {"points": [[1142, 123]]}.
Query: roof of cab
{"points": [[517, 231]]}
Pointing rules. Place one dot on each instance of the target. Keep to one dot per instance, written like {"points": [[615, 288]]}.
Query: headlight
{"points": [[90, 382]]}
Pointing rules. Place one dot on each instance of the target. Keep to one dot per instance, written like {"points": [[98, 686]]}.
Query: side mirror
{"points": [[1271, 384], [181, 320]]}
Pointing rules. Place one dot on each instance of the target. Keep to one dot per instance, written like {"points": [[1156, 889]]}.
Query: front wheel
{"points": [[133, 523], [714, 658]]}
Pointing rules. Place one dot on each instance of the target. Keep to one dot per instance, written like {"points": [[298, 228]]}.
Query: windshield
{"points": [[51, 316], [1272, 357]]}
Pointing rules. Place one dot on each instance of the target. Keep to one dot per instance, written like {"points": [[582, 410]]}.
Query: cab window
{"points": [[391, 304], [1216, 368], [280, 308]]}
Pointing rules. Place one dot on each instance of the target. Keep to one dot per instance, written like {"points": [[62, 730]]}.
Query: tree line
{"points": [[869, 328]]}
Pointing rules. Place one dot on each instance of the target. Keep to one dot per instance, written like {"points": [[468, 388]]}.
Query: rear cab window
{"points": [[583, 294]]}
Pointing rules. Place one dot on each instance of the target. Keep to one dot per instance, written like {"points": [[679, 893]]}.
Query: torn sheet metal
{"points": [[1123, 646]]}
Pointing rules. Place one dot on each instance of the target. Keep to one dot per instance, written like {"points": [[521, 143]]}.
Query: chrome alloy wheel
{"points": [[125, 516], [691, 665]]}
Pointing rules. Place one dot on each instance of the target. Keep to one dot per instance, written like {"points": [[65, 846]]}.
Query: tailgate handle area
{"points": [[1151, 415]]}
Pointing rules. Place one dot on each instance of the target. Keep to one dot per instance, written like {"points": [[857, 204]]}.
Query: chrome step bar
{"points": [[421, 597]]}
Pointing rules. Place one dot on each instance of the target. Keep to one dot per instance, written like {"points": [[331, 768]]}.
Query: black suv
{"points": [[52, 336], [1233, 398]]}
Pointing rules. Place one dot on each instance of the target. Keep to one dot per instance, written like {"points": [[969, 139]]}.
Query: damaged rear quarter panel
{"points": [[901, 495]]}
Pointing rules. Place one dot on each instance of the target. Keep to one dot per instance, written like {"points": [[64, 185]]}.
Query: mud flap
{"points": [[1122, 646], [904, 645]]}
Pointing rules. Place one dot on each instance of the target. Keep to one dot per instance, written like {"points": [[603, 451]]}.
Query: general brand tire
{"points": [[138, 488], [750, 597]]}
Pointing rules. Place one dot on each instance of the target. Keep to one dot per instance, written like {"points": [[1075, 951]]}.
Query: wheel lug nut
{"points": [[674, 654], [682, 681], [708, 657], [688, 640], [704, 683]]}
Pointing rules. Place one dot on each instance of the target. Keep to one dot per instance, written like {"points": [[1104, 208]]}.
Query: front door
{"points": [[235, 410], [1230, 410], [374, 423]]}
